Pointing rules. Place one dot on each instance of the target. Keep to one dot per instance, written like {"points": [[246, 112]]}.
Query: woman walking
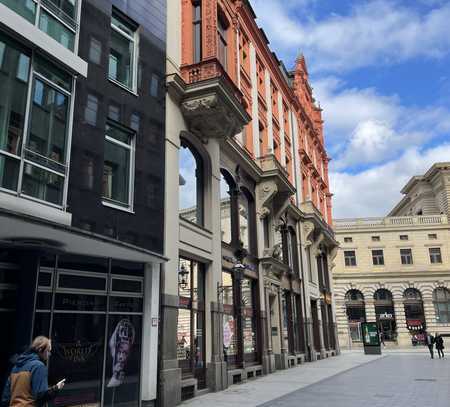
{"points": [[439, 341], [27, 385]]}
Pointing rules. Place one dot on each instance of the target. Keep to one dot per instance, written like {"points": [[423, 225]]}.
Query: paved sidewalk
{"points": [[273, 386]]}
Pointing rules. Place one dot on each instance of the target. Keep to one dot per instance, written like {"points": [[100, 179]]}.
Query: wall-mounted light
{"points": [[182, 277]]}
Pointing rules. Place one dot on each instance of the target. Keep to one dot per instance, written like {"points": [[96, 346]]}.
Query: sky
{"points": [[381, 72]]}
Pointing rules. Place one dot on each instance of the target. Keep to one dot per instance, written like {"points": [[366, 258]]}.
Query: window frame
{"points": [[132, 164], [222, 40], [118, 15], [437, 309], [42, 4], [435, 256], [196, 41], [349, 258], [377, 259], [33, 74], [403, 256]]}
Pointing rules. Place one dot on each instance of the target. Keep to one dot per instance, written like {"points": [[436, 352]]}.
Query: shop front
{"points": [[385, 314], [101, 314], [415, 316]]}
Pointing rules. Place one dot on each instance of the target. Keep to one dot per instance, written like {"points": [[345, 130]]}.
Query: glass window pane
{"points": [[26, 8], [121, 59], [48, 123], [57, 30], [52, 73], [184, 339], [119, 134], [225, 210], [116, 173], [69, 7], [123, 361], [244, 221], [9, 172], [14, 71], [77, 355], [81, 282], [230, 345], [188, 194], [42, 184]]}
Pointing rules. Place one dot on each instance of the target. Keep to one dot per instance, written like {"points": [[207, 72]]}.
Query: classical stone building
{"points": [[246, 289], [396, 270]]}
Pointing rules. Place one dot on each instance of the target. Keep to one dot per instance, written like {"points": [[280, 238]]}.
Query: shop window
{"points": [[406, 256], [191, 180], [222, 40], [123, 51], [385, 314], [350, 258], [414, 313], [441, 299], [249, 320], [77, 323], [356, 313], [118, 166], [57, 18], [230, 338], [44, 156], [191, 320], [435, 255], [197, 30], [377, 258]]}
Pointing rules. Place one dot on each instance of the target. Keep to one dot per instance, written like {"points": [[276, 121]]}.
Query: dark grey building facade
{"points": [[82, 129]]}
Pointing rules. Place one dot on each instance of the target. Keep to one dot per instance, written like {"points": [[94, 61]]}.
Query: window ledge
{"points": [[30, 207], [121, 85], [118, 207]]}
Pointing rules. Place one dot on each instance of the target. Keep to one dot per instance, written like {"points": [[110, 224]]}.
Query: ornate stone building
{"points": [[246, 289], [396, 270]]}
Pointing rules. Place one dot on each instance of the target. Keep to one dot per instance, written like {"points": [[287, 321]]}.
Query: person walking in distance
{"points": [[429, 340], [27, 384], [439, 341]]}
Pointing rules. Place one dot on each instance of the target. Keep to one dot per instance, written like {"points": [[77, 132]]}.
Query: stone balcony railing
{"points": [[392, 221]]}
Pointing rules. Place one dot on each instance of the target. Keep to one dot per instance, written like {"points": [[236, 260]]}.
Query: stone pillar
{"points": [[370, 310], [321, 327], [170, 374], [216, 376], [283, 362], [430, 313], [403, 336], [343, 333], [269, 358]]}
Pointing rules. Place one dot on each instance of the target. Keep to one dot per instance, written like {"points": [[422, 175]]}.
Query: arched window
{"points": [[384, 311], [227, 188], [441, 299], [191, 181], [246, 219], [414, 314], [356, 313], [412, 294]]}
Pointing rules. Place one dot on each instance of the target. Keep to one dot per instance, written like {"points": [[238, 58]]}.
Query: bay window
{"points": [[33, 153], [57, 18], [118, 167]]}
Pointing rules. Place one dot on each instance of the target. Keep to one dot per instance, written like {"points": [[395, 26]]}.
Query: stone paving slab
{"points": [[267, 388], [411, 380]]}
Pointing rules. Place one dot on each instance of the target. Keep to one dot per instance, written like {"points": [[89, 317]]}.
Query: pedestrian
{"points": [[429, 340], [27, 384], [439, 341], [381, 337]]}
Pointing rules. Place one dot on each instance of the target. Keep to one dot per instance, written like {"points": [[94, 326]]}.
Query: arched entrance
{"points": [[414, 314], [384, 310], [356, 313]]}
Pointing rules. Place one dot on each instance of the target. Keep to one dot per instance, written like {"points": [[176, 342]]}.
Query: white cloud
{"points": [[374, 192], [376, 32]]}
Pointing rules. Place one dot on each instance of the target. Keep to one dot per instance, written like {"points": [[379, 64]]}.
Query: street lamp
{"points": [[182, 277]]}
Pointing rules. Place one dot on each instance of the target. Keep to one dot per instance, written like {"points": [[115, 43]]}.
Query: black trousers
{"points": [[430, 347], [440, 352]]}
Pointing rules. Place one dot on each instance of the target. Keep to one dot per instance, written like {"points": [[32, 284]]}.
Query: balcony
{"points": [[390, 222], [211, 103]]}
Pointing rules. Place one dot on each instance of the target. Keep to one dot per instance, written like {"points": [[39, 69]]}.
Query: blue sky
{"points": [[381, 72]]}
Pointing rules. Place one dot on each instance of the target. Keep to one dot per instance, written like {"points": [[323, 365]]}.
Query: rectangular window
{"points": [[90, 110], [376, 238], [435, 255], [348, 239], [57, 18], [350, 258], [432, 236], [123, 52], [222, 42], [404, 237], [378, 257], [40, 146], [118, 167], [197, 30], [406, 256]]}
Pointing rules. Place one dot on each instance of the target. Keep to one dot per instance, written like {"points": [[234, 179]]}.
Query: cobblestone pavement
{"points": [[352, 380], [402, 379]]}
